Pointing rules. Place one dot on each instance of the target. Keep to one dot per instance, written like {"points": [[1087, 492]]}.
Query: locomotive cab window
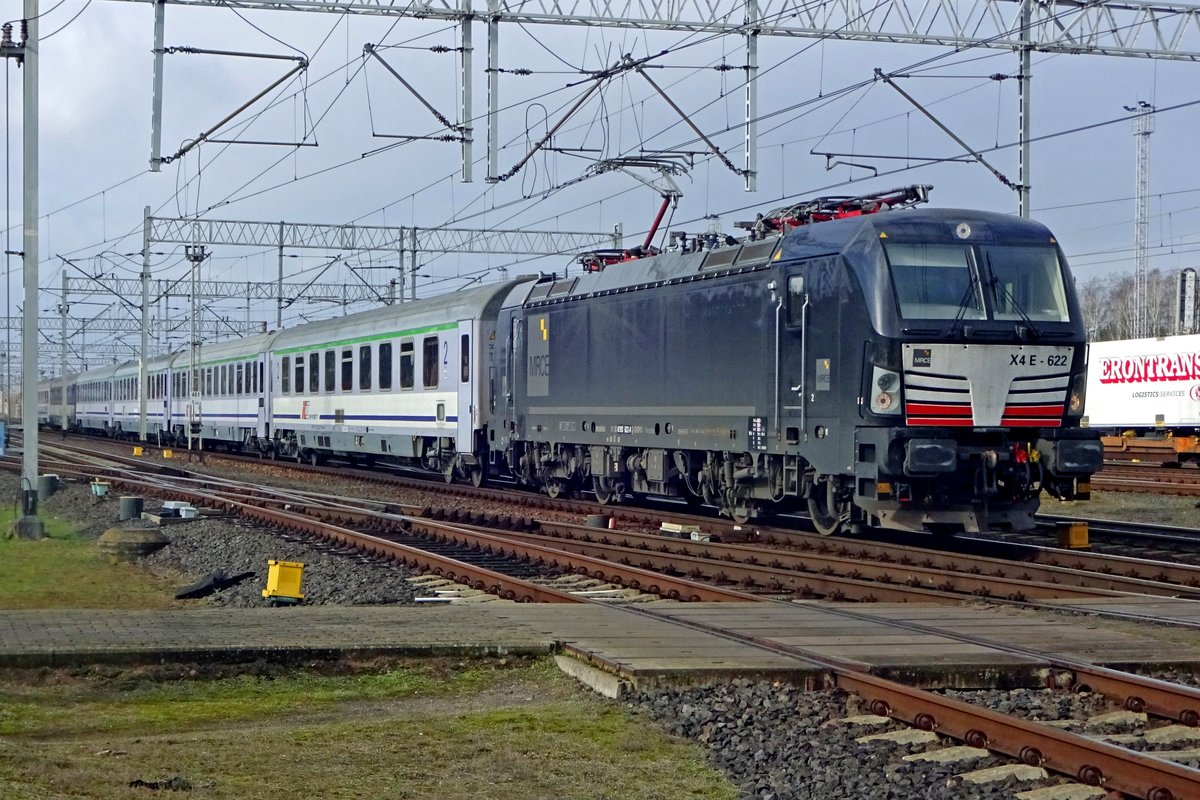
{"points": [[1025, 283], [935, 281], [795, 299], [429, 362]]}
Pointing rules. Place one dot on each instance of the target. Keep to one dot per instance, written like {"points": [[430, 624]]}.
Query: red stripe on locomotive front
{"points": [[1034, 411], [938, 409]]}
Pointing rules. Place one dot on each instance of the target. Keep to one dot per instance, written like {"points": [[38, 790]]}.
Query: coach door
{"points": [[463, 361], [258, 390]]}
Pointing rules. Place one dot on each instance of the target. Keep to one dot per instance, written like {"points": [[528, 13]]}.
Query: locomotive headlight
{"points": [[885, 391], [1075, 400]]}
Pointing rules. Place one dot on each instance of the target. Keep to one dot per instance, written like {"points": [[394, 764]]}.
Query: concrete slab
{"points": [[865, 720], [1118, 719], [1067, 791], [902, 736], [1190, 754], [1022, 772], [1172, 734], [604, 683], [950, 755]]}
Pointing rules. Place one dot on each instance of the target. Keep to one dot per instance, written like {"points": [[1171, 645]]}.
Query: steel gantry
{"points": [[291, 235], [1132, 29]]}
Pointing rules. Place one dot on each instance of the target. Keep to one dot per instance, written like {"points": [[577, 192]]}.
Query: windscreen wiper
{"points": [[1029, 330]]}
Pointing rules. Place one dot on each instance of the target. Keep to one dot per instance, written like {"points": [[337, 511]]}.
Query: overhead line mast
{"points": [[1130, 29]]}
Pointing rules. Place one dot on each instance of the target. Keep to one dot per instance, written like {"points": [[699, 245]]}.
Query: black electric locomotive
{"points": [[920, 369]]}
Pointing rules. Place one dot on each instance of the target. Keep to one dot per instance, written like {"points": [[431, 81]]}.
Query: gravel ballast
{"points": [[199, 548], [778, 742]]}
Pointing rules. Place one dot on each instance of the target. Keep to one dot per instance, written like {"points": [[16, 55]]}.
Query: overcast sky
{"points": [[95, 136]]}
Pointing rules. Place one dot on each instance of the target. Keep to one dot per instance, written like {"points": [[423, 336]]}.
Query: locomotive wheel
{"points": [[604, 490], [478, 476], [829, 515]]}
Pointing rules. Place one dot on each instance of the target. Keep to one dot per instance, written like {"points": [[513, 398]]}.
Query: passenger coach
{"points": [[410, 383]]}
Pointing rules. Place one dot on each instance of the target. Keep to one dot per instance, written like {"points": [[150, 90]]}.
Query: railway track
{"points": [[1087, 760], [672, 567], [762, 560], [1147, 479]]}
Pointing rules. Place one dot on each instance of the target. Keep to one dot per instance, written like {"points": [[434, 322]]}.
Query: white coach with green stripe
{"points": [[409, 382]]}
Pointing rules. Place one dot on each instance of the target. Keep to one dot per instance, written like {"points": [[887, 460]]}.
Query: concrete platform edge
{"points": [[286, 655]]}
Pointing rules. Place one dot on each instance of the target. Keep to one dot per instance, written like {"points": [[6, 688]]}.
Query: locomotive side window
{"points": [[364, 367], [330, 371], [314, 373], [935, 281], [298, 364], [1025, 282], [385, 366], [407, 371], [429, 362], [285, 376], [466, 358], [347, 370], [795, 299]]}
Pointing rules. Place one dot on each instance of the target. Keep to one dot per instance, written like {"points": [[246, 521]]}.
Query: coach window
{"points": [[314, 373], [407, 371], [347, 370], [285, 376], [466, 358], [298, 365], [330, 371], [239, 378], [364, 367], [429, 362], [385, 366], [208, 381], [223, 372]]}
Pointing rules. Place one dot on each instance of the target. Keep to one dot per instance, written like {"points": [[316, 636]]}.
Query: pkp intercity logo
{"points": [[1195, 393]]}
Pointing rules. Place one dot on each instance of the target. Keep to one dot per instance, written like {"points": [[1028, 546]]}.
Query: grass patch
{"points": [[470, 730], [65, 571]]}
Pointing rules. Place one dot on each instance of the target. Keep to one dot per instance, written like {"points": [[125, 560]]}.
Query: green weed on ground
{"points": [[65, 571], [508, 732]]}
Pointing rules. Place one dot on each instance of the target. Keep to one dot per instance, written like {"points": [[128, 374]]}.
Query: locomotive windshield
{"points": [[963, 282], [1025, 282]]}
